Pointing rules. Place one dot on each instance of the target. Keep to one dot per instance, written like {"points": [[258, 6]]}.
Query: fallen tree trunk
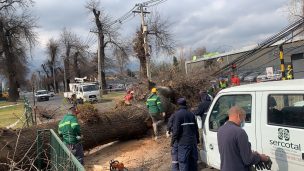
{"points": [[19, 147]]}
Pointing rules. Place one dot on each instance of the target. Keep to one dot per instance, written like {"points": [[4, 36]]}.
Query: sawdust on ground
{"points": [[137, 155]]}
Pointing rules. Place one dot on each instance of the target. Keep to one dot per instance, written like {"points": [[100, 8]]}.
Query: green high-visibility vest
{"points": [[223, 84], [154, 104], [69, 129], [289, 74]]}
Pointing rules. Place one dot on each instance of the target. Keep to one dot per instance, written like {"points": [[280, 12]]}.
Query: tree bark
{"points": [[76, 66], [10, 61], [101, 50], [143, 67]]}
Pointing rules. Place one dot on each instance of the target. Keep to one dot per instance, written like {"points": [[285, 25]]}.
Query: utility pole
{"points": [[144, 28], [282, 62]]}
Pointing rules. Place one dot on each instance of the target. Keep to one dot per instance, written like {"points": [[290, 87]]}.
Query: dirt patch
{"points": [[141, 154]]}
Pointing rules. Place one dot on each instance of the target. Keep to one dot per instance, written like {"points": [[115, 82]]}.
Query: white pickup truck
{"points": [[274, 122], [84, 92]]}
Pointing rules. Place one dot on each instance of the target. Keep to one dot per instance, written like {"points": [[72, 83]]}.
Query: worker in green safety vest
{"points": [[69, 131], [289, 72], [155, 109], [223, 83]]}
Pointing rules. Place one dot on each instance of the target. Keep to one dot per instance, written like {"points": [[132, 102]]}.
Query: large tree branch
{"points": [[116, 44]]}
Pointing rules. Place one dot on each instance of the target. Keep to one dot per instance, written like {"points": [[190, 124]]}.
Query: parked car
{"points": [[52, 93], [251, 77], [242, 75], [277, 75], [42, 95], [263, 77]]}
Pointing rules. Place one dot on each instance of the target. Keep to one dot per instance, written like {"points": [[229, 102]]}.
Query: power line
{"points": [[161, 1], [128, 14], [268, 51], [286, 52], [268, 42]]}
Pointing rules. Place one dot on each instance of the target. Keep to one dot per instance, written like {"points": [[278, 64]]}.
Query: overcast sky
{"points": [[215, 24]]}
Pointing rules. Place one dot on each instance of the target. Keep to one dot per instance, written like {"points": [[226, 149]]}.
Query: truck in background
{"points": [[83, 91]]}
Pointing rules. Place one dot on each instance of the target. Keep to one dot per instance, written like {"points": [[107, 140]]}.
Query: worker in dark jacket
{"points": [[69, 131], [185, 133], [203, 107], [234, 147], [174, 156], [155, 109]]}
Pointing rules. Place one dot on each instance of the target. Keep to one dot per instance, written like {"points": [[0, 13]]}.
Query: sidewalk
{"points": [[2, 107]]}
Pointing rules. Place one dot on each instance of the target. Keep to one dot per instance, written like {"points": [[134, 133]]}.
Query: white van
{"points": [[274, 122]]}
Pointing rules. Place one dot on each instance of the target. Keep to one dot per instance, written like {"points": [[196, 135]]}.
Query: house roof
{"points": [[246, 49]]}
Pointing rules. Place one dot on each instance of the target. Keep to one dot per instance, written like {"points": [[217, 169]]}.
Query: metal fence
{"points": [[28, 112], [58, 157]]}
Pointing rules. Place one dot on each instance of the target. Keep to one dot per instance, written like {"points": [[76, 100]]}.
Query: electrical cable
{"points": [[267, 51], [161, 1], [268, 42], [288, 50]]}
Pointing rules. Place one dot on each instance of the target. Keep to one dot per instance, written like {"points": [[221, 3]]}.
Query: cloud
{"points": [[209, 23]]}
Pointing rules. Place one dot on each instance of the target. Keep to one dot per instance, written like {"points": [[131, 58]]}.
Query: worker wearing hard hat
{"points": [[155, 109], [289, 72]]}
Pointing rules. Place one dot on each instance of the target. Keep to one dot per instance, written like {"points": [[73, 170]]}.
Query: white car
{"points": [[51, 93], [42, 95]]}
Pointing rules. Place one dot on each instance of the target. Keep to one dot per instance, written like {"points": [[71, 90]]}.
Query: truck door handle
{"points": [[211, 146]]}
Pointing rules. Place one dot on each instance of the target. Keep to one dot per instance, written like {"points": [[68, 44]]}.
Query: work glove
{"points": [[268, 164], [168, 134], [259, 166]]}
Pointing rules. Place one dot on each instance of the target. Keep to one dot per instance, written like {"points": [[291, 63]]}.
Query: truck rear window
{"points": [[286, 110]]}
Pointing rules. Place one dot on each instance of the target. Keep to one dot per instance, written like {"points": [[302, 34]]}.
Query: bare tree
{"points": [[139, 50], [107, 35], [67, 41], [53, 51], [200, 51], [296, 9], [160, 40], [122, 59], [160, 34], [16, 36]]}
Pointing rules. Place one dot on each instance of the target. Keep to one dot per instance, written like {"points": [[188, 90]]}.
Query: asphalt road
{"points": [[53, 103]]}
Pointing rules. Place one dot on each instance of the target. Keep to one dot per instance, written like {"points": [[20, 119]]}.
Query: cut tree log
{"points": [[97, 129]]}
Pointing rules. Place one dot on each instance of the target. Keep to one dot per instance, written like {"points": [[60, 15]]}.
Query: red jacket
{"points": [[128, 97], [235, 81]]}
